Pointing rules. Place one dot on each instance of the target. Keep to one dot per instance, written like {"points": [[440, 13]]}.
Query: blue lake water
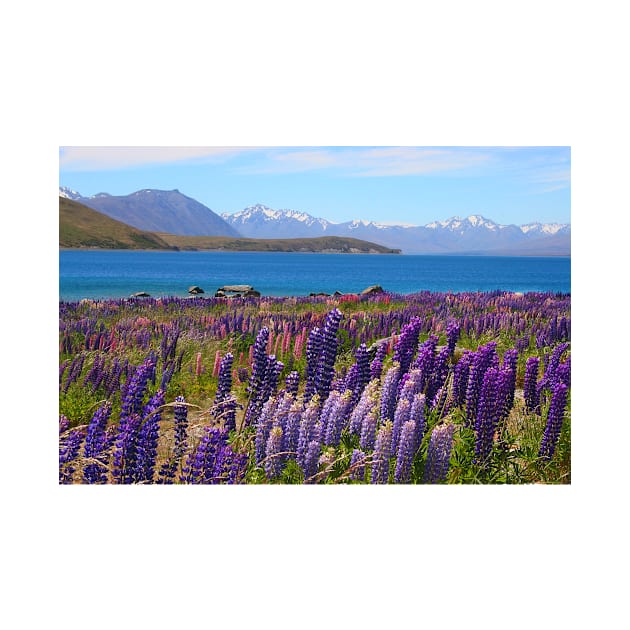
{"points": [[102, 274]]}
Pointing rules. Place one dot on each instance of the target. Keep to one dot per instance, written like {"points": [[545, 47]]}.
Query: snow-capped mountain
{"points": [[68, 193], [472, 234], [264, 222]]}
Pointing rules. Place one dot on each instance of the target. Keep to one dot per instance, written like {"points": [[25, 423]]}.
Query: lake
{"points": [[102, 274]]}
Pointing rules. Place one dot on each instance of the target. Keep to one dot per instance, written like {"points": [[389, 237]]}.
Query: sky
{"points": [[408, 185]]}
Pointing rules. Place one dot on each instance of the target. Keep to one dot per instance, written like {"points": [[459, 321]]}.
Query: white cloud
{"points": [[371, 162], [106, 158]]}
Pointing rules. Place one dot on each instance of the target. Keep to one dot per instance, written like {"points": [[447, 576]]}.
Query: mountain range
{"points": [[173, 212]]}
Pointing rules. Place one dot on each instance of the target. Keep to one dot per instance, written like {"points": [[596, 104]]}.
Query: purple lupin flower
{"points": [[292, 383], [453, 330], [366, 403], [555, 418], [481, 362], [310, 429], [95, 443], [69, 447], [224, 406], [532, 399], [148, 439], [125, 449], [264, 422], [417, 413], [325, 366], [376, 367], [438, 374], [259, 372], [407, 343], [292, 427], [368, 430], [313, 351], [487, 416], [439, 453], [388, 393], [201, 464], [382, 453], [311, 461], [357, 465], [338, 418], [401, 416], [460, 379], [273, 460], [362, 372], [406, 451], [169, 468], [563, 372], [64, 424]]}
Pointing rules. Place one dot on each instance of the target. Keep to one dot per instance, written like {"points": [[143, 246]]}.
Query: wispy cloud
{"points": [[370, 162], [108, 158]]}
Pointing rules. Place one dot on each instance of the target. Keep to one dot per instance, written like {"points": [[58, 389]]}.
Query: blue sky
{"points": [[413, 185]]}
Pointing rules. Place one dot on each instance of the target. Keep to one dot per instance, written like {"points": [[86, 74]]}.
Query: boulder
{"points": [[375, 288], [140, 294], [237, 290], [195, 290], [319, 295]]}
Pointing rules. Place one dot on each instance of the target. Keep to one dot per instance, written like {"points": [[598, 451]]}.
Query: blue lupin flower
{"points": [[382, 453], [309, 430], [487, 416], [406, 451], [273, 460], [95, 443], [555, 418], [311, 461], [368, 430], [357, 465], [326, 363], [439, 453], [313, 351], [532, 400], [69, 447], [388, 393], [148, 439]]}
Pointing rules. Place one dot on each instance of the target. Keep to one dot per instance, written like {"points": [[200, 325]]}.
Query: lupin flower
{"points": [[125, 450], [482, 360], [357, 465], [328, 354], [368, 430], [264, 422], [311, 461], [292, 382], [388, 392], [95, 443], [69, 447], [259, 371], [407, 343], [453, 330], [273, 460], [406, 451], [401, 415], [382, 453], [148, 439], [488, 415], [532, 400], [439, 453], [555, 418], [313, 351], [224, 406], [376, 367], [366, 403], [309, 431]]}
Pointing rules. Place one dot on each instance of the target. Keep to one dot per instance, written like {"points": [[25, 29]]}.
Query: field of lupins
{"points": [[431, 388]]}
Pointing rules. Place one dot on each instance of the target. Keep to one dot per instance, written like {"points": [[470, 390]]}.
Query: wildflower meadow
{"points": [[428, 388]]}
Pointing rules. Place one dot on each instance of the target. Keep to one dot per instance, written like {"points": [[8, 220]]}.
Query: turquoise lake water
{"points": [[102, 274]]}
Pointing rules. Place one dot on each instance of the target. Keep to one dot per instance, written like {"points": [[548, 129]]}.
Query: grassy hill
{"points": [[80, 226], [322, 244]]}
